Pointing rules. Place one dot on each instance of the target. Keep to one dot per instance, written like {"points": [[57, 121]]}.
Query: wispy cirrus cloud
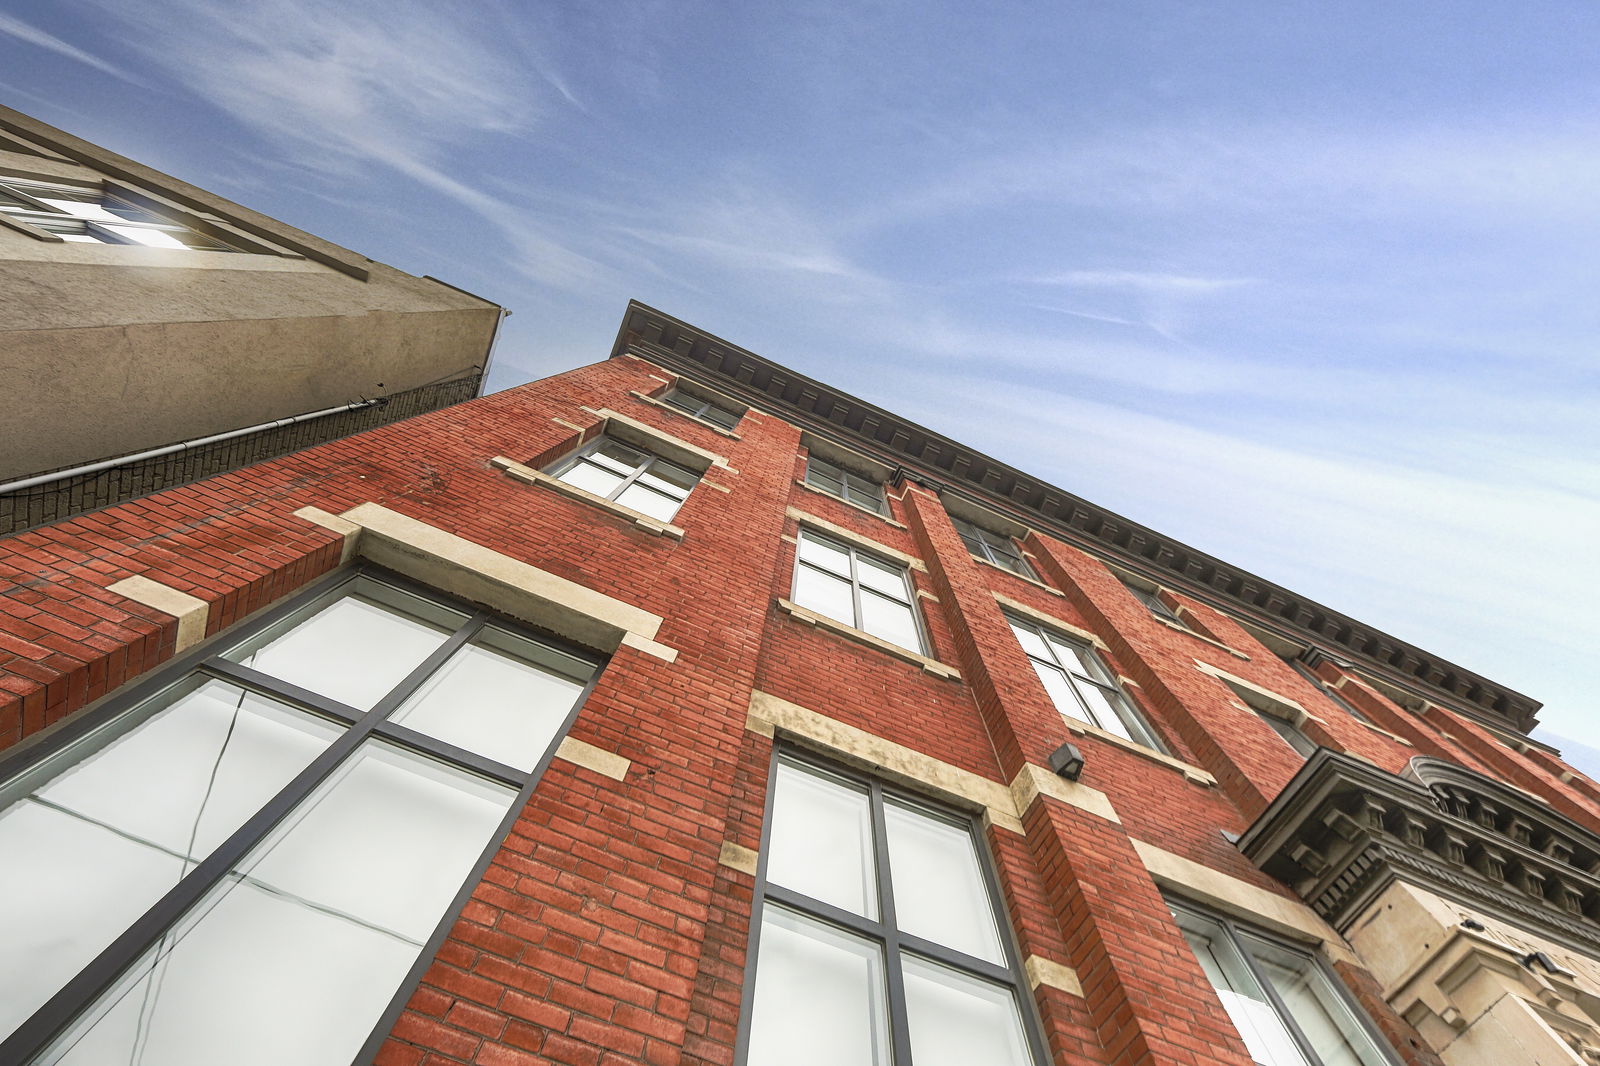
{"points": [[27, 33]]}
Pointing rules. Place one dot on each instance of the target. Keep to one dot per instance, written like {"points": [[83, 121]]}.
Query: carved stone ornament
{"points": [[1343, 830]]}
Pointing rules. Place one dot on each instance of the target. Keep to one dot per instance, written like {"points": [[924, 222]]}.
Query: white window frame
{"points": [[908, 600], [644, 463], [1130, 724]]}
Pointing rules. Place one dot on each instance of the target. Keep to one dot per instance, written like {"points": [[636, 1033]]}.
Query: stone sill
{"points": [[529, 476], [1035, 582], [712, 426], [1181, 628], [1193, 773], [848, 503], [822, 621]]}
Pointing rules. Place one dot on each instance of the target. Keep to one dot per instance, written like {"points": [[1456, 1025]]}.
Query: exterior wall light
{"points": [[1067, 761]]}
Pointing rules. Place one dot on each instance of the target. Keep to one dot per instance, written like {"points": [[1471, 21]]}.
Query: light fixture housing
{"points": [[1067, 761]]}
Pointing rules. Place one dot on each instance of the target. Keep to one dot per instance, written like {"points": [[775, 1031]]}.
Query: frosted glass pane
{"points": [[825, 595], [1327, 1021], [821, 840], [957, 1020], [825, 555], [889, 619], [1263, 1032], [492, 703], [1074, 657], [884, 577], [104, 838], [153, 238], [354, 650], [1031, 642], [939, 893], [819, 996], [293, 957], [1105, 714], [1062, 694], [591, 478], [618, 457], [649, 502], [670, 479]]}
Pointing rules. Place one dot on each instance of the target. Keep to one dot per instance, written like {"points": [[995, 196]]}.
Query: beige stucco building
{"points": [[142, 312]]}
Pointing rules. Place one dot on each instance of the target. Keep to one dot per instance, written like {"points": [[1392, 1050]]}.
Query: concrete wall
{"points": [[110, 349]]}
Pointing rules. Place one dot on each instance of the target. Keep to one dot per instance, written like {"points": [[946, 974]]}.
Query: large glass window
{"points": [[1078, 682], [94, 216], [993, 548], [250, 862], [1292, 735], [857, 588], [625, 475], [836, 480], [1284, 1004], [881, 940], [1155, 604], [1328, 690], [690, 404]]}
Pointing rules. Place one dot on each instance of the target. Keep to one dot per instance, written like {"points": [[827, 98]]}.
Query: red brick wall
{"points": [[606, 931]]}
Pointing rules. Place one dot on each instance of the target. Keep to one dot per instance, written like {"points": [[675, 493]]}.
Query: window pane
{"points": [[891, 620], [650, 502], [1031, 642], [957, 1020], [1291, 733], [824, 476], [719, 416], [617, 457], [489, 699], [108, 825], [318, 925], [1077, 657], [592, 478], [824, 554], [824, 594], [821, 840], [1062, 694], [885, 577], [1106, 714], [819, 996], [354, 650], [1264, 1034], [939, 892], [673, 480], [1322, 1014], [152, 238]]}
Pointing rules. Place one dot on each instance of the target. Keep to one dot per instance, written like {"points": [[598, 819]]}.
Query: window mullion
{"points": [[1278, 1005], [34, 1034], [446, 752], [436, 659], [899, 1023], [855, 590], [267, 685]]}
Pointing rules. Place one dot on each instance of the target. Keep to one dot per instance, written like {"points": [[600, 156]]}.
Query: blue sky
{"points": [[1308, 286]]}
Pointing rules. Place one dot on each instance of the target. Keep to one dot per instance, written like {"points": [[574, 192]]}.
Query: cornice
{"points": [[929, 457], [1343, 830]]}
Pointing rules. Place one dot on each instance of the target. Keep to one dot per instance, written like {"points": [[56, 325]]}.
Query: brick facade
{"points": [[610, 927]]}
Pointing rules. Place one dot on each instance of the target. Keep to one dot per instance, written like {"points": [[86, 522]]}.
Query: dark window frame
{"points": [[1107, 683], [857, 489], [993, 548], [883, 931], [699, 407], [1239, 935], [924, 644], [1328, 690], [80, 993], [1289, 731], [1156, 605]]}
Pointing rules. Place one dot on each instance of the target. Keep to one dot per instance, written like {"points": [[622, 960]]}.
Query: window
{"points": [[93, 216], [702, 409], [1078, 682], [861, 491], [1303, 745], [1156, 605], [881, 939], [856, 588], [625, 475], [1281, 1000], [993, 548], [253, 861], [1328, 690]]}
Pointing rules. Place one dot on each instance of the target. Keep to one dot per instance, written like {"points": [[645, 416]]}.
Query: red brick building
{"points": [[683, 709]]}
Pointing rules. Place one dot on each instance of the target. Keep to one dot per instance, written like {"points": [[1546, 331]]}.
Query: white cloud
{"points": [[29, 34]]}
